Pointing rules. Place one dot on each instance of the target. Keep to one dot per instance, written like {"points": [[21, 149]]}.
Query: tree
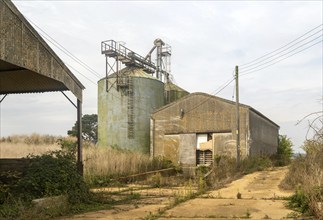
{"points": [[284, 150], [89, 128]]}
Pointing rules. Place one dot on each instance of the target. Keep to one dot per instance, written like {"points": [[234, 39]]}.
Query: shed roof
{"points": [[27, 63], [212, 97]]}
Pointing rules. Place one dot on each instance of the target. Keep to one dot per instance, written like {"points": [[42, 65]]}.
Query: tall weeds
{"points": [[18, 146], [305, 176], [101, 164]]}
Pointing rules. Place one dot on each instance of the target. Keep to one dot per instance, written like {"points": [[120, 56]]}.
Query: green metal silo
{"points": [[125, 102], [173, 92]]}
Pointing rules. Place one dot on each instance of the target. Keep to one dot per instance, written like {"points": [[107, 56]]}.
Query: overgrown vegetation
{"points": [[54, 173], [305, 175], [104, 165], [226, 169], [284, 151], [50, 174]]}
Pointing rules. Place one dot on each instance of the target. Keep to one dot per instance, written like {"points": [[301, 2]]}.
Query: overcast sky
{"points": [[208, 39]]}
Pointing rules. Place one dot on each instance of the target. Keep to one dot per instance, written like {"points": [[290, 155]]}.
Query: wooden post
{"points": [[237, 116]]}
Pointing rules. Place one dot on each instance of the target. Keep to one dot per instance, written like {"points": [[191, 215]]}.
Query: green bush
{"points": [[52, 174], [255, 163], [284, 153], [299, 202]]}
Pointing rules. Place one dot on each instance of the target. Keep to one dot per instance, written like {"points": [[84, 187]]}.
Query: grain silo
{"points": [[124, 110], [132, 89], [173, 92]]}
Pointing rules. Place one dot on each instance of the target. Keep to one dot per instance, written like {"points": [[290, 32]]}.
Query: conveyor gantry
{"points": [[126, 56]]}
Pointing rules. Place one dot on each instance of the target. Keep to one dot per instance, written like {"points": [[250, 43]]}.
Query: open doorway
{"points": [[204, 154]]}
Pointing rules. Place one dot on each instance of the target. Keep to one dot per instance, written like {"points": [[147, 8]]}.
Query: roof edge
{"points": [[16, 11], [216, 97]]}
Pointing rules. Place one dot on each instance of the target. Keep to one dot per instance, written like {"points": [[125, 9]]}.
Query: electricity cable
{"points": [[67, 52], [246, 73], [281, 55], [264, 59], [281, 47], [222, 87], [70, 66], [94, 83], [50, 41]]}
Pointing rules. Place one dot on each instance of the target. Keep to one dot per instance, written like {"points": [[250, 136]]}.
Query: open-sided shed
{"points": [[29, 65]]}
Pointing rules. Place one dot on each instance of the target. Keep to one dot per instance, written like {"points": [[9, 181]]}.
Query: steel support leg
{"points": [[79, 138]]}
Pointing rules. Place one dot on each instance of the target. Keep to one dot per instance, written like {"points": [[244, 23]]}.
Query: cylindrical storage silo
{"points": [[173, 92], [125, 102]]}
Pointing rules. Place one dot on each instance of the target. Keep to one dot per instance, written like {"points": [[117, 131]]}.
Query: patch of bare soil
{"points": [[261, 198], [150, 201]]}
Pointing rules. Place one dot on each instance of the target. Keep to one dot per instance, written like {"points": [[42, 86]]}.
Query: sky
{"points": [[208, 39]]}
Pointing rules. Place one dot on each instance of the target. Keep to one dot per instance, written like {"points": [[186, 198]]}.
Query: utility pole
{"points": [[237, 115]]}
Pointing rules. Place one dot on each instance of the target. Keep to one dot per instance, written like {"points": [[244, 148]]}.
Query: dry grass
{"points": [[104, 162], [18, 146], [35, 139], [306, 175], [101, 164], [19, 150]]}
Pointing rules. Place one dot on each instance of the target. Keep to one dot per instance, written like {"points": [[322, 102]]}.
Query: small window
{"points": [[204, 157]]}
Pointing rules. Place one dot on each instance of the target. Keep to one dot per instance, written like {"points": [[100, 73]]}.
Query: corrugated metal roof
{"points": [[27, 63], [213, 97]]}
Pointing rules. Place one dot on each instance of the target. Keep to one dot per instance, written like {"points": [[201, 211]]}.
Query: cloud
{"points": [[208, 39]]}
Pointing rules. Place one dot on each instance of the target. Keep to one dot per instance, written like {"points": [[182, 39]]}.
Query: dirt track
{"points": [[260, 199]]}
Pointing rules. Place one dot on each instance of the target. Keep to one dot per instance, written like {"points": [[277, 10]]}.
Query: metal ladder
{"points": [[130, 108]]}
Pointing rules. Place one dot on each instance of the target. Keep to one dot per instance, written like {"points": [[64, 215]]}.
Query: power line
{"points": [[280, 47], [61, 48], [64, 50], [80, 73], [281, 55], [281, 59], [70, 66], [262, 60], [223, 86], [250, 63]]}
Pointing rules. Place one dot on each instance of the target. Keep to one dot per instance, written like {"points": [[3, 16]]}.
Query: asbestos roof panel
{"points": [[27, 63], [25, 81]]}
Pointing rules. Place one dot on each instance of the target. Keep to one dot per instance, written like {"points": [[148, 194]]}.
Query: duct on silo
{"points": [[114, 107], [173, 92]]}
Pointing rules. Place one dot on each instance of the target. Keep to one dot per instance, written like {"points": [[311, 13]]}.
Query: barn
{"points": [[199, 126]]}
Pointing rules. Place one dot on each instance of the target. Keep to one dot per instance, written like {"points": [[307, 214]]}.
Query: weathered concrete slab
{"points": [[229, 208]]}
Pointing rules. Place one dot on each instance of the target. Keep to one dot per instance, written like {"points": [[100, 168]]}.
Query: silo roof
{"points": [[132, 71]]}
